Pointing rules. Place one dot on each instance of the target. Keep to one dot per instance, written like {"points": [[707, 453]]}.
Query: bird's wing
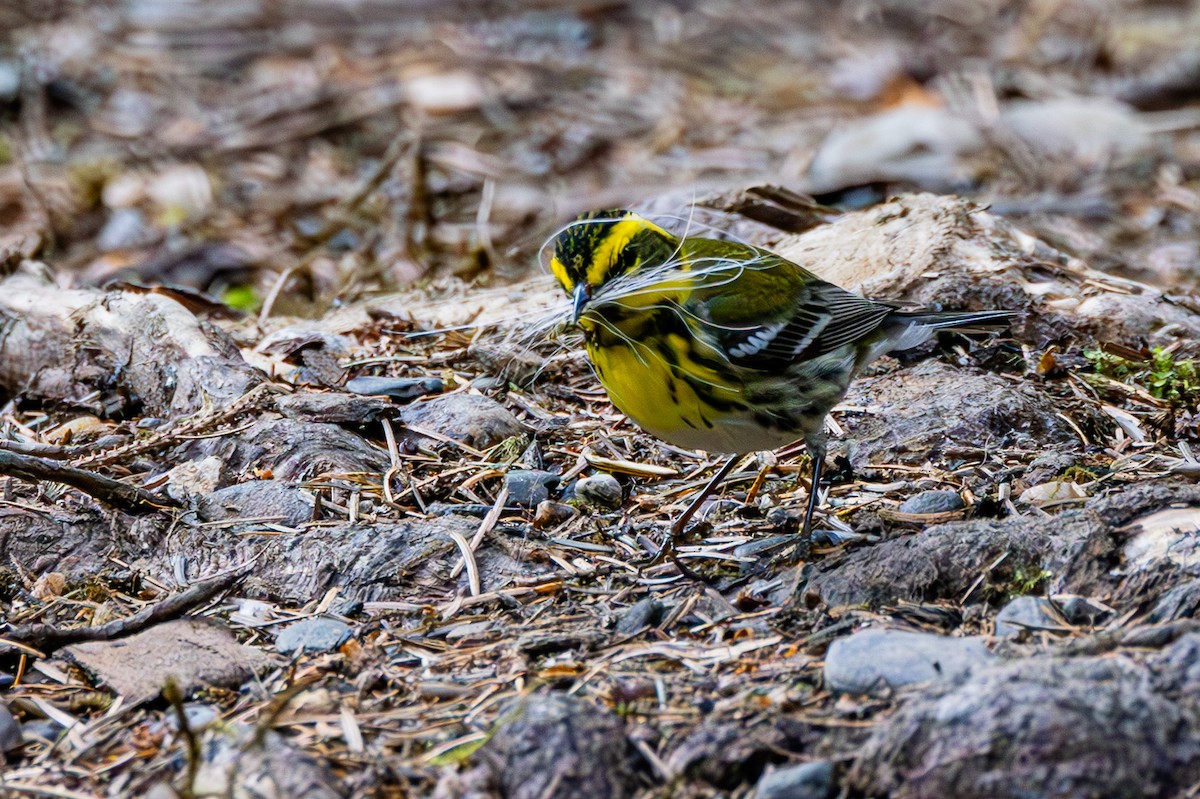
{"points": [[775, 312]]}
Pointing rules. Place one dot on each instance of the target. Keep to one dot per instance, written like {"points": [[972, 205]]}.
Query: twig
{"points": [[130, 499], [47, 637]]}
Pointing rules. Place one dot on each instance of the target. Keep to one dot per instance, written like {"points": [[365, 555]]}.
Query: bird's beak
{"points": [[583, 293]]}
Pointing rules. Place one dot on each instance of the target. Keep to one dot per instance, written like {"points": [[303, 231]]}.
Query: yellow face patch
{"points": [[560, 273], [608, 249]]}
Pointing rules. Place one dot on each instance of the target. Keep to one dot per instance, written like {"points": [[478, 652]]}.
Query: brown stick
{"points": [[47, 637], [130, 499]]}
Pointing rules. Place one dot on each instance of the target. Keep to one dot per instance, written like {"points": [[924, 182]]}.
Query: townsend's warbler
{"points": [[721, 346]]}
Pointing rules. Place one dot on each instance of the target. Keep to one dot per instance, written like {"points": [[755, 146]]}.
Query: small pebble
{"points": [[43, 729], [802, 781], [1058, 461], [10, 81], [1082, 611], [315, 634], [601, 489], [126, 228], [10, 730], [551, 514], [1026, 613], [646, 612], [933, 502], [529, 487]]}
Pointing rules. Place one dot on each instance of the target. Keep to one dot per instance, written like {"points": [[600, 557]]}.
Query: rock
{"points": [[1026, 613], [644, 613], [10, 731], [1059, 461], [195, 653], [473, 419], [1092, 132], [555, 747], [551, 514], [1047, 466], [10, 81], [314, 634], [933, 502], [529, 487], [398, 388], [878, 661], [334, 407], [376, 561], [1082, 611], [290, 450], [1177, 669], [126, 228], [1181, 602], [600, 489], [44, 729], [1045, 727], [1075, 547], [803, 781], [258, 501], [917, 413], [181, 190]]}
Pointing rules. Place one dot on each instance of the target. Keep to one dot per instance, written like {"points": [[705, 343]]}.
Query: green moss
{"points": [[1173, 380], [1028, 580]]}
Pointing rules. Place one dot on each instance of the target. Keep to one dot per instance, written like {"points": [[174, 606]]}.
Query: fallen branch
{"points": [[130, 499], [47, 637]]}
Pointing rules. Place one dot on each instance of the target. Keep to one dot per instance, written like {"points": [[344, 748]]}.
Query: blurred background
{"points": [[311, 152]]}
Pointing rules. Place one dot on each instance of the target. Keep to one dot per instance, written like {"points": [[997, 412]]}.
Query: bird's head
{"points": [[603, 245]]}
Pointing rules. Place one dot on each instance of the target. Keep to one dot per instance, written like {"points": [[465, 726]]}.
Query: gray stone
{"points": [[600, 489], [473, 419], [10, 730], [397, 388], [43, 729], [550, 513], [645, 612], [933, 502], [125, 228], [1026, 613], [1082, 611], [10, 81], [529, 487], [877, 661], [803, 781], [1181, 602], [1058, 461], [1049, 727], [315, 634]]}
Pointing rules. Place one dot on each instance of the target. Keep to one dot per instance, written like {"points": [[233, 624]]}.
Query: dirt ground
{"points": [[307, 489]]}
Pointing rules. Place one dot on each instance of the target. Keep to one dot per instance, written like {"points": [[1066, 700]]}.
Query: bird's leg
{"points": [[816, 450], [680, 524]]}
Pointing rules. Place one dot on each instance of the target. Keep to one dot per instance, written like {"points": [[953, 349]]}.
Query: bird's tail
{"points": [[911, 328], [962, 321]]}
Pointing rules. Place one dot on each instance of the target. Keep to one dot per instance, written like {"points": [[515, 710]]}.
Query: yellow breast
{"points": [[643, 380]]}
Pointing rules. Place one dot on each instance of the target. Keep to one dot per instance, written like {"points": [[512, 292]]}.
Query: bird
{"points": [[725, 347]]}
